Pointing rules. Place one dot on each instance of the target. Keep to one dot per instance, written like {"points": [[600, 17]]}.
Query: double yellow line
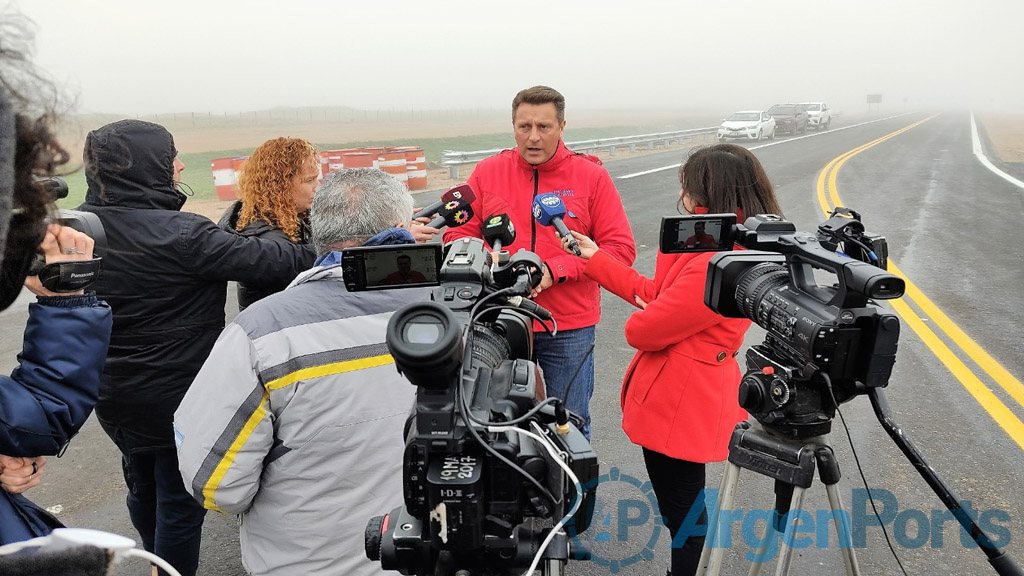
{"points": [[828, 197]]}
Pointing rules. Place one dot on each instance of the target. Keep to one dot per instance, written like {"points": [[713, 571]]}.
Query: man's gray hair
{"points": [[353, 204]]}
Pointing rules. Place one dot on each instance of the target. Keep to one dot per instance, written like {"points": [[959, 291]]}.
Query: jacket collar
{"points": [[554, 163]]}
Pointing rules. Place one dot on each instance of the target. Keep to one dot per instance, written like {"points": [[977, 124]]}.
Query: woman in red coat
{"points": [[679, 396]]}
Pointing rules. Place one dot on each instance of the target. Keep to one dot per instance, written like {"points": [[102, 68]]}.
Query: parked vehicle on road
{"points": [[819, 115], [790, 118], [747, 124]]}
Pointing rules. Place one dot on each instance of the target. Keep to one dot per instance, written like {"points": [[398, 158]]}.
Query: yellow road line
{"points": [[828, 196]]}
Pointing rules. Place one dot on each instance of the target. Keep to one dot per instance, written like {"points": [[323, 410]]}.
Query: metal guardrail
{"points": [[454, 158]]}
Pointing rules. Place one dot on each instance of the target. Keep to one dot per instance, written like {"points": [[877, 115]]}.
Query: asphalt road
{"points": [[951, 227]]}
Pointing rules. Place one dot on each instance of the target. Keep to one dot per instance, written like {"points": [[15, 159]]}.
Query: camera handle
{"points": [[999, 559]]}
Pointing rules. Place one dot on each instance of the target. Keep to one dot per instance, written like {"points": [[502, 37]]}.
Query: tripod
{"points": [[791, 462]]}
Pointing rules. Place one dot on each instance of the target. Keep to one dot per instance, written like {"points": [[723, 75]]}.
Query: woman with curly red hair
{"points": [[275, 193]]}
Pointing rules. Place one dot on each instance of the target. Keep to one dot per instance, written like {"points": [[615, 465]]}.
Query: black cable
{"points": [[849, 437], [579, 367], [184, 189], [468, 418], [479, 439]]}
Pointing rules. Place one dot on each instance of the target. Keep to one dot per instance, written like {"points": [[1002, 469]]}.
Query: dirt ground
{"points": [[1006, 132]]}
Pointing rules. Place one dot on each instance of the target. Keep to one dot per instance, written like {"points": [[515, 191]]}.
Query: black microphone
{"points": [[548, 209], [498, 231], [454, 213], [460, 192]]}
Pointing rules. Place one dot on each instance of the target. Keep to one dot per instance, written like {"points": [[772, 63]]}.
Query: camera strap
{"points": [[69, 276]]}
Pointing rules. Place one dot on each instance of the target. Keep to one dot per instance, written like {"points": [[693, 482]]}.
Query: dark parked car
{"points": [[790, 118]]}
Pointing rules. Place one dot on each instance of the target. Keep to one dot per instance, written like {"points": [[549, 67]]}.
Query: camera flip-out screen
{"points": [[384, 267], [697, 233]]}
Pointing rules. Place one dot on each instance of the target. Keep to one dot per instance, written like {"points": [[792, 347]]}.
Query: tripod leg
{"points": [[785, 552], [842, 522], [711, 556]]}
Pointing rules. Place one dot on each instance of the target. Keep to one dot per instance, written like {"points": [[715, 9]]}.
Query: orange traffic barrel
{"points": [[376, 151], [324, 162], [224, 178], [358, 160], [393, 162], [334, 160], [416, 163]]}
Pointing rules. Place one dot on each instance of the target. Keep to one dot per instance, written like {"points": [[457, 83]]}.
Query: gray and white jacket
{"points": [[295, 424]]}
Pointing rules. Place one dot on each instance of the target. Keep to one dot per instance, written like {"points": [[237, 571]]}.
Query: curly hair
{"points": [[265, 182]]}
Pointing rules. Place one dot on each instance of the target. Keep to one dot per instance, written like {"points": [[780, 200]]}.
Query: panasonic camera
{"points": [[826, 341], [70, 276], [492, 470]]}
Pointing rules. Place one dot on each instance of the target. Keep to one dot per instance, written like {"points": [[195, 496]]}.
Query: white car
{"points": [[747, 124], [819, 115]]}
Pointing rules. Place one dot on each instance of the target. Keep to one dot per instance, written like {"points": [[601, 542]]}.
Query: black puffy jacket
{"points": [[249, 293], [165, 276]]}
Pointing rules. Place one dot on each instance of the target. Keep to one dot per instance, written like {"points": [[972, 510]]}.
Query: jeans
{"points": [[168, 519], [677, 485], [559, 357]]}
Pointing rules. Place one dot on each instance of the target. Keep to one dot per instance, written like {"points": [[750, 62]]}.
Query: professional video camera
{"points": [[492, 470], [825, 343]]}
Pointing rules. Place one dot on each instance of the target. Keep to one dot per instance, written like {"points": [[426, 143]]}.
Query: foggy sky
{"points": [[143, 56]]}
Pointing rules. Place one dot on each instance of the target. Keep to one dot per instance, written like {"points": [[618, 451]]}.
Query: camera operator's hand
{"points": [[61, 244], [587, 246], [19, 474], [419, 229], [545, 282]]}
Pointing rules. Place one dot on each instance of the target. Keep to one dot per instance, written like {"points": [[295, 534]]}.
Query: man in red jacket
{"points": [[507, 183]]}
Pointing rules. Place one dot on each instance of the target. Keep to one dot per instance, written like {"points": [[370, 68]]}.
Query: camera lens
{"points": [[425, 340], [755, 283]]}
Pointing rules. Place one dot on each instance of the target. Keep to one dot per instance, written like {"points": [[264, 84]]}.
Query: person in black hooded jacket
{"points": [[165, 276]]}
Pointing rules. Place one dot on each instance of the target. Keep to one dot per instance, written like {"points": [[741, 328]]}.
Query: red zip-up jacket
{"points": [[680, 393], [506, 184]]}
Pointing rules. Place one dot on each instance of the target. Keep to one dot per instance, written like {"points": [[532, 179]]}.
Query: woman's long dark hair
{"points": [[727, 177]]}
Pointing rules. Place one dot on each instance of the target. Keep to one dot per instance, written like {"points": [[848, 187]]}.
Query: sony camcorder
{"points": [[826, 342], [492, 469]]}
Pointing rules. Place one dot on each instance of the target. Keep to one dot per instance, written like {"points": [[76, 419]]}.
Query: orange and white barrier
{"points": [[393, 162]]}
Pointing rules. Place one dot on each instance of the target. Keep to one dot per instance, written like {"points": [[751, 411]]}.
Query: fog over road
{"points": [[949, 223]]}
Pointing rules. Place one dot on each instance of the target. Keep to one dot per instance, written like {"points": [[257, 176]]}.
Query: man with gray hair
{"points": [[295, 421]]}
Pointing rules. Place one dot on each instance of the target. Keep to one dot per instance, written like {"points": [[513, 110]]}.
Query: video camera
{"points": [[70, 276], [825, 344], [492, 470]]}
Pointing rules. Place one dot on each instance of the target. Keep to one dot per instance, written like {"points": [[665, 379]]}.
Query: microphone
{"points": [[498, 231], [460, 192], [454, 213], [548, 209]]}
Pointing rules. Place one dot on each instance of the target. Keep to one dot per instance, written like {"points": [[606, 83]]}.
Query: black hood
{"points": [[130, 163]]}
